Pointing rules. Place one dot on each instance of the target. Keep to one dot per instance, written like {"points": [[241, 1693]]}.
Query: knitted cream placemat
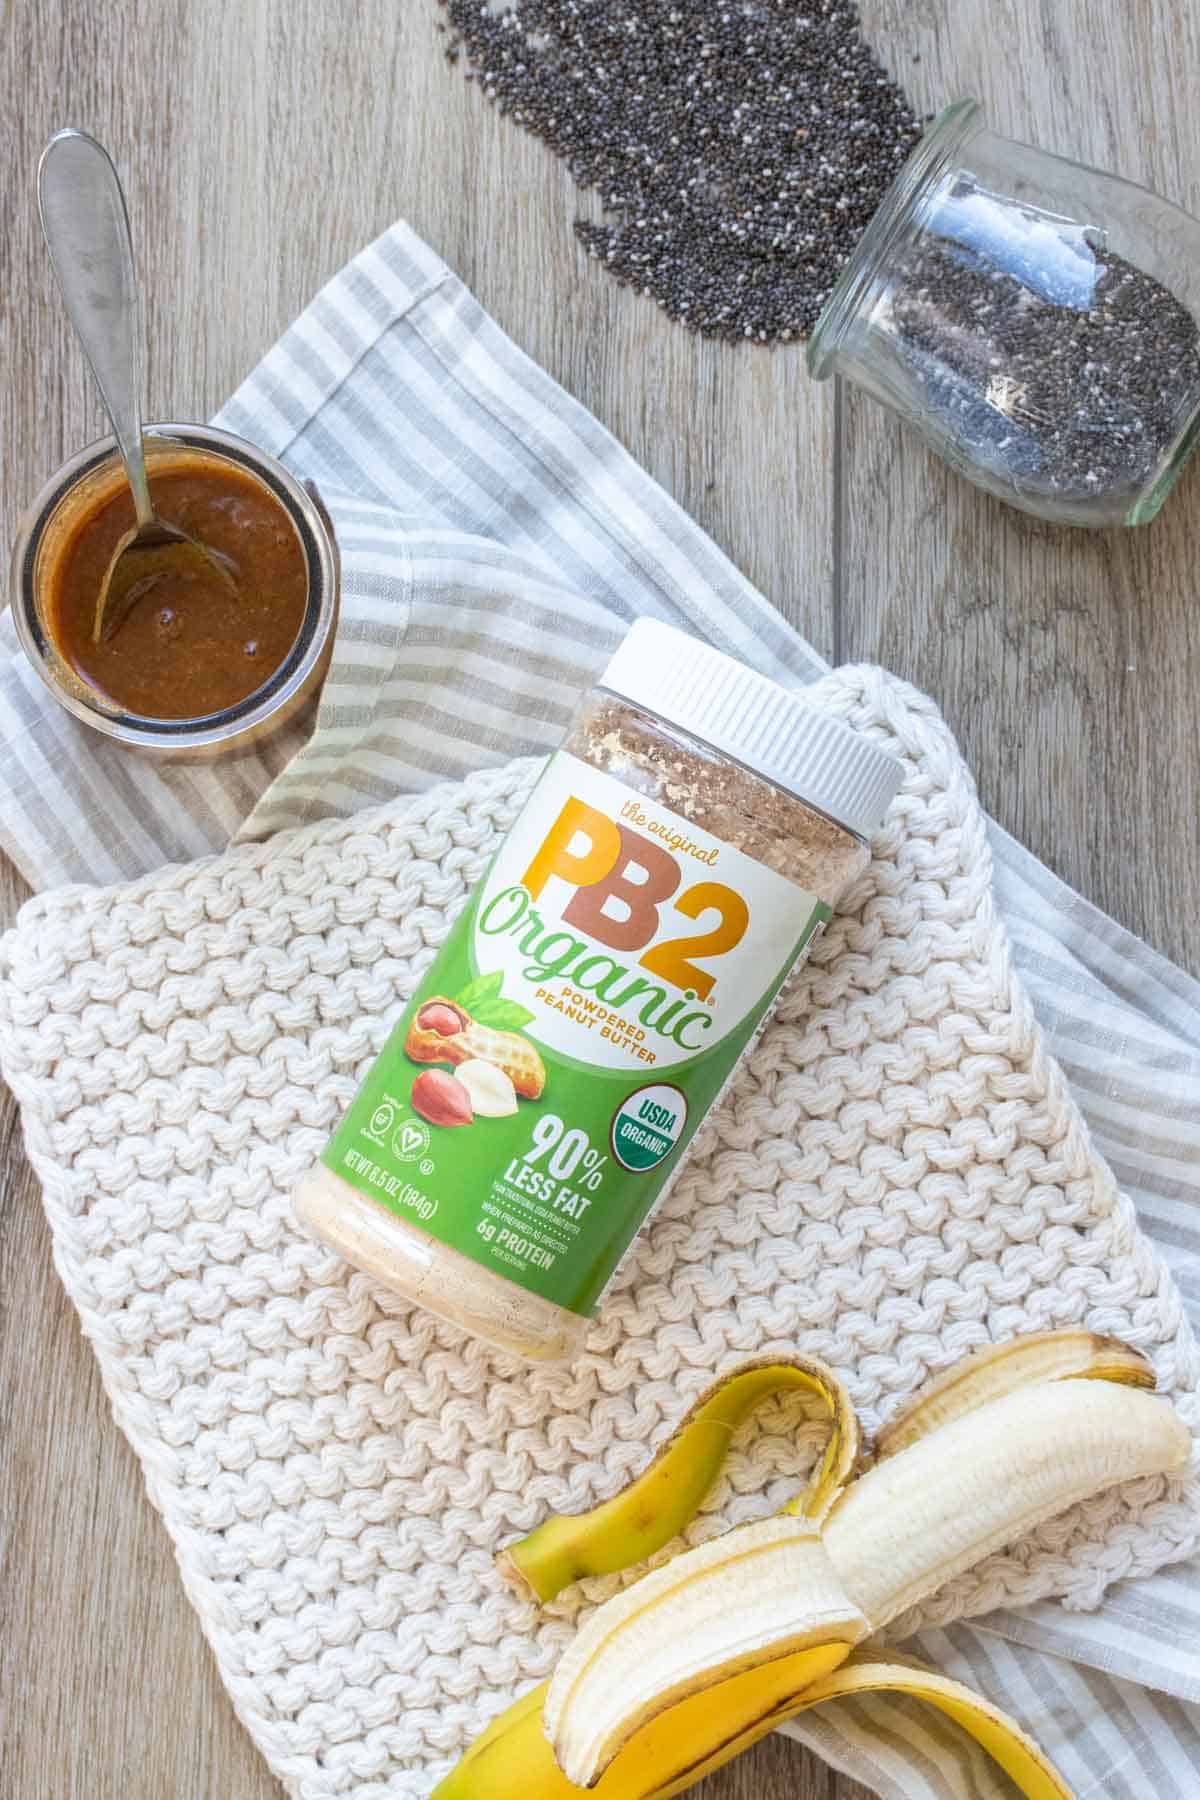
{"points": [[898, 1173]]}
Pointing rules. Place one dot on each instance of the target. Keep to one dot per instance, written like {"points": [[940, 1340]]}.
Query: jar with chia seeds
{"points": [[1035, 319], [540, 1089]]}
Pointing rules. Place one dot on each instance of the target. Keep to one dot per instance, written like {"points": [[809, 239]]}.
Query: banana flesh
{"points": [[926, 1514], [704, 1654], [759, 1593], [998, 1369], [665, 1497]]}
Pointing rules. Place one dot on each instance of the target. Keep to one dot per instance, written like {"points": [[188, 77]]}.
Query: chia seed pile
{"points": [[1068, 394], [738, 150]]}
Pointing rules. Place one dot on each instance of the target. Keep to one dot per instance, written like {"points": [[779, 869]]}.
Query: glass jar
{"points": [[73, 492], [633, 930], [1035, 319]]}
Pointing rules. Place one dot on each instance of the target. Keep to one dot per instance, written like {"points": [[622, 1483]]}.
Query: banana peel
{"points": [[709, 1651], [513, 1758], [872, 1672], [666, 1496]]}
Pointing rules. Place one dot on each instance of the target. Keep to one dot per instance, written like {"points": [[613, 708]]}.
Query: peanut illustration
{"points": [[442, 1031], [441, 1099], [443, 1017]]}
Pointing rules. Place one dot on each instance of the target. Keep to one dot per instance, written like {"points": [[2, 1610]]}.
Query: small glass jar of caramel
{"points": [[187, 673]]}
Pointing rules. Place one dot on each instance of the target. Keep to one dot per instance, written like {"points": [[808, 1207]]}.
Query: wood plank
{"points": [[281, 143], [1065, 660]]}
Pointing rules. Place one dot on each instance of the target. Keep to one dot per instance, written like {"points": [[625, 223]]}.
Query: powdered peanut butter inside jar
{"points": [[632, 933]]}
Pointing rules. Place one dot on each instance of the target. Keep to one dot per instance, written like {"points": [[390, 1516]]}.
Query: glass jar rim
{"points": [[210, 731], [925, 165]]}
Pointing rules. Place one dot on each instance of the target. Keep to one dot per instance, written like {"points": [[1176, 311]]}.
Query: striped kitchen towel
{"points": [[496, 542]]}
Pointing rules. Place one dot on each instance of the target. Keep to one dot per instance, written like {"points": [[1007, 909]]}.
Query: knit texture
{"points": [[898, 1173]]}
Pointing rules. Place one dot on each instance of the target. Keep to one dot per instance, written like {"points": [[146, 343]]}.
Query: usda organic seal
{"points": [[647, 1126]]}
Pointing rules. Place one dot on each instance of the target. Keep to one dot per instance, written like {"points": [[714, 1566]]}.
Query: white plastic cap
{"points": [[756, 722]]}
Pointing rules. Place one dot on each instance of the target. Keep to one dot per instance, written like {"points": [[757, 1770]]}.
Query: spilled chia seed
{"points": [[738, 151]]}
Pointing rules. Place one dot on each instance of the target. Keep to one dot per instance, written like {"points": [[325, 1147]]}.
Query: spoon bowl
{"points": [[85, 222], [144, 558]]}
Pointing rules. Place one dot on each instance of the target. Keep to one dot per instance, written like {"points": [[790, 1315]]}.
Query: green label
{"points": [[584, 1013]]}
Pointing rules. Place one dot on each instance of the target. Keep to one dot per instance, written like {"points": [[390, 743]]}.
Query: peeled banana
{"points": [[691, 1663]]}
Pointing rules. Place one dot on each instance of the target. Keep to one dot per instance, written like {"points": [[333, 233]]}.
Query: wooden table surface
{"points": [[263, 144]]}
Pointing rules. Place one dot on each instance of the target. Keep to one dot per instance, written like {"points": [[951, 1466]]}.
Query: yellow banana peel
{"points": [[665, 1497], [872, 1672]]}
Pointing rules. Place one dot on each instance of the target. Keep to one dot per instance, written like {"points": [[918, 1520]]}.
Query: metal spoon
{"points": [[86, 227]]}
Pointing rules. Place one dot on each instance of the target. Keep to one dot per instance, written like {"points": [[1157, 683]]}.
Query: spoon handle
{"points": [[86, 226]]}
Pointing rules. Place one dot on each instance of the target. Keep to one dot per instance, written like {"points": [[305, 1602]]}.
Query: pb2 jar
{"points": [[665, 876]]}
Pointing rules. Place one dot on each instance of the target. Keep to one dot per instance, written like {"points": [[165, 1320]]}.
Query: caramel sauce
{"points": [[188, 646]]}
